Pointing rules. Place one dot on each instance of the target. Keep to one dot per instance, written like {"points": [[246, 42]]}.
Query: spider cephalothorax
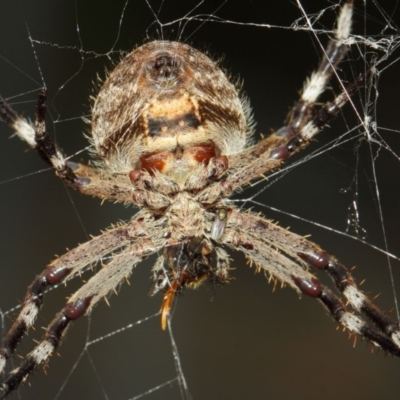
{"points": [[171, 135]]}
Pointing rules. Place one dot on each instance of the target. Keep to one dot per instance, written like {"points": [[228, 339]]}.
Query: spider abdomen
{"points": [[168, 106]]}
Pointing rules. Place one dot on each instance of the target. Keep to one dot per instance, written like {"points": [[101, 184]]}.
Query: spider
{"points": [[173, 136]]}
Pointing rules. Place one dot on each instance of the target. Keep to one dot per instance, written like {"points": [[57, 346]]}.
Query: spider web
{"points": [[344, 191]]}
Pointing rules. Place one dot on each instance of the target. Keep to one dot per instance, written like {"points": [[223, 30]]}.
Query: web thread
{"points": [[343, 191]]}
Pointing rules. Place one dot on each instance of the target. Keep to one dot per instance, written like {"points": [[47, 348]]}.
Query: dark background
{"points": [[249, 342]]}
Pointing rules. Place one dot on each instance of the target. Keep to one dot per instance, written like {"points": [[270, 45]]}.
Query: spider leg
{"points": [[119, 187], [37, 137], [283, 148], [267, 242], [333, 55], [91, 181], [62, 269], [266, 256], [303, 110], [301, 249], [81, 303], [303, 122]]}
